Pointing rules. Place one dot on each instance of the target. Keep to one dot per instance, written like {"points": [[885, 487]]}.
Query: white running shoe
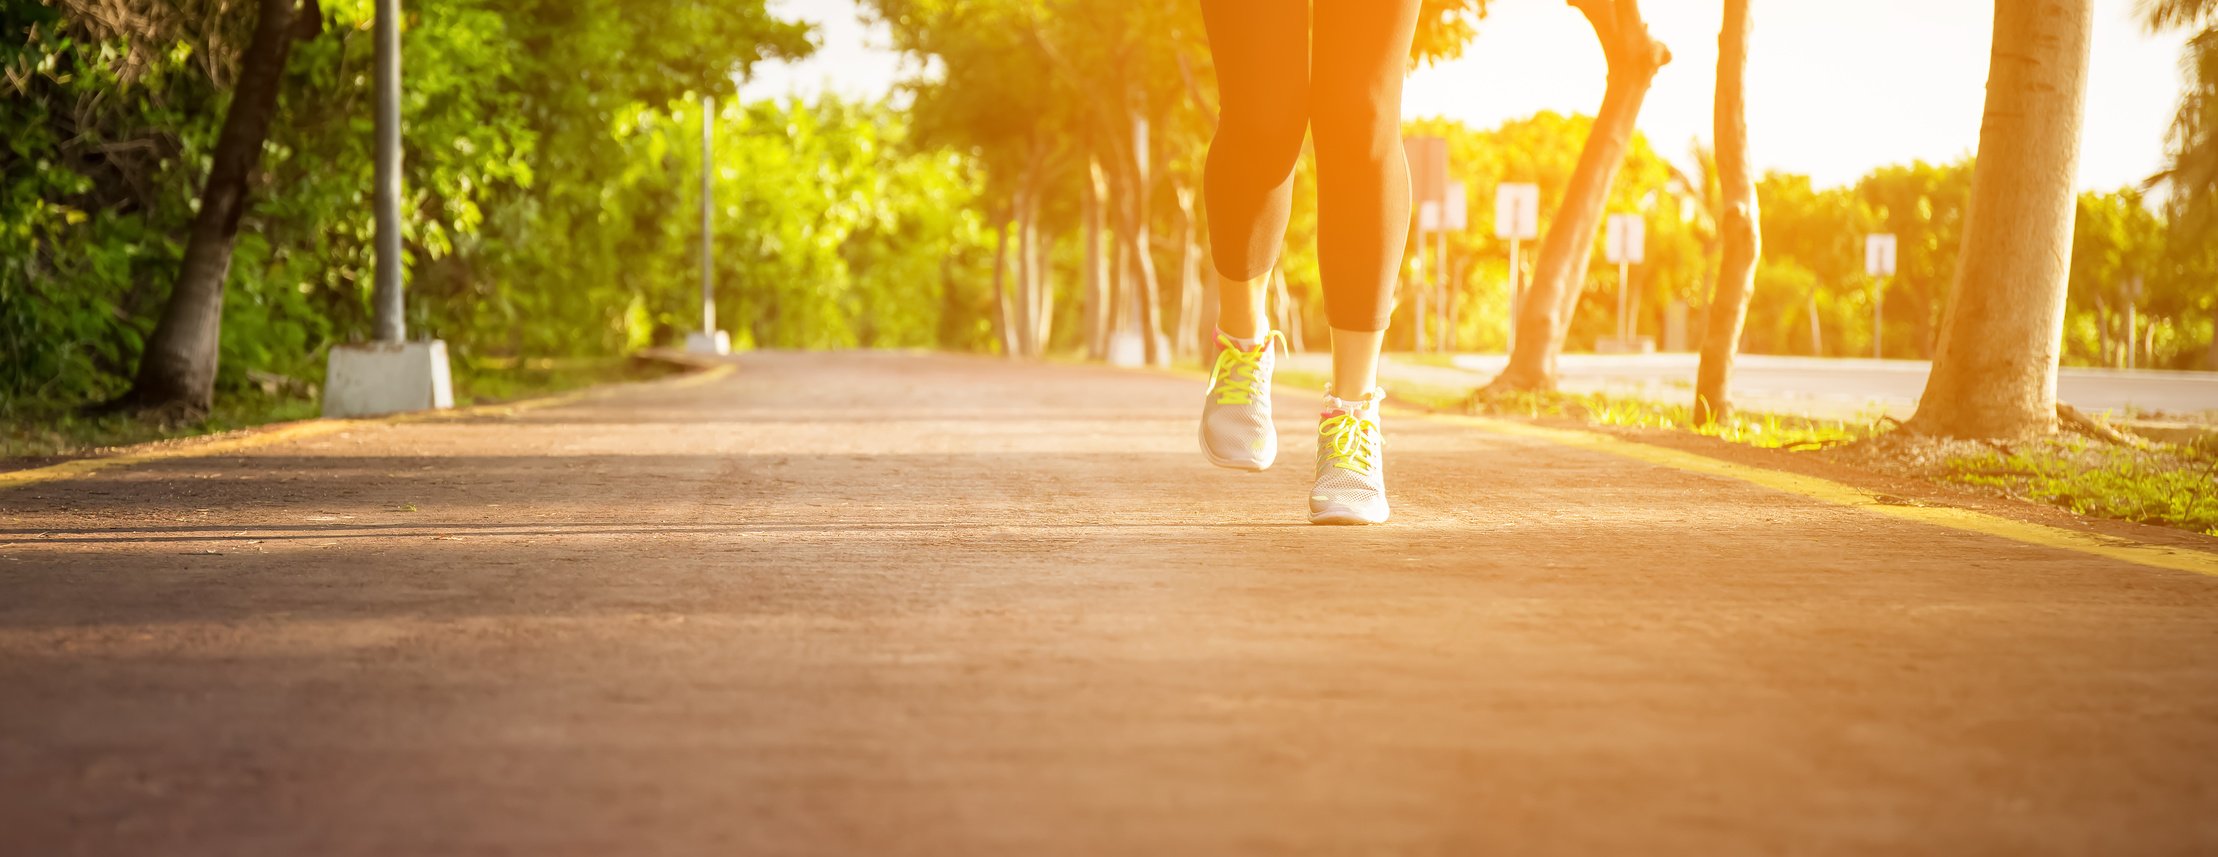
{"points": [[1351, 468], [1236, 429]]}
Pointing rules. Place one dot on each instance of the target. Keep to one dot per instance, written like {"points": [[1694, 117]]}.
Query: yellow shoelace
{"points": [[1351, 441], [1235, 381]]}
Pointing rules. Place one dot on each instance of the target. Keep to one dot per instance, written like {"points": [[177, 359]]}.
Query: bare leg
{"points": [[1355, 361], [1240, 306]]}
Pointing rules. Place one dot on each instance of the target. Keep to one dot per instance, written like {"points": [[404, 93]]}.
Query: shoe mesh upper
{"points": [[1355, 488], [1240, 430]]}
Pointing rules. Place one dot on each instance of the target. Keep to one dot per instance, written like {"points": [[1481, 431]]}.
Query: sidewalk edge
{"points": [[270, 435]]}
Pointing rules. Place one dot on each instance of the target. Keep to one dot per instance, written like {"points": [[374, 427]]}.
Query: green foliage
{"points": [[1923, 206], [2173, 486], [548, 187], [830, 233], [1542, 149]]}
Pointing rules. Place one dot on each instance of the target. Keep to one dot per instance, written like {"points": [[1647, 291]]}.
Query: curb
{"points": [[697, 372]]}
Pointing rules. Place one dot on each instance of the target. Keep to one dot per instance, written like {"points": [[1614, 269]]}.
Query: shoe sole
{"points": [[1342, 518], [1202, 434]]}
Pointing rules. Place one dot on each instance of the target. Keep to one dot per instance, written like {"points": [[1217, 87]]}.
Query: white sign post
{"points": [[1455, 214], [1428, 179], [1626, 245], [710, 339], [1879, 262], [1516, 218]]}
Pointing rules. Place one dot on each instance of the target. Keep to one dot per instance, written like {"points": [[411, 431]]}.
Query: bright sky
{"points": [[1834, 88]]}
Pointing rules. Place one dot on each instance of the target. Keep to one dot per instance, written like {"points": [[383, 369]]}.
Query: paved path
{"points": [[898, 604]]}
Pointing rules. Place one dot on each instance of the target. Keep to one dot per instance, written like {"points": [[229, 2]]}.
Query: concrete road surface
{"points": [[1819, 387], [890, 604]]}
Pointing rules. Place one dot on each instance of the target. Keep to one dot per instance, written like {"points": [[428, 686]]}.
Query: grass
{"points": [[2169, 485], [46, 431]]}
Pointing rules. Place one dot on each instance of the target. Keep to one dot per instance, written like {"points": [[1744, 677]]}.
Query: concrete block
{"points": [[1127, 349], [386, 378], [713, 342], [1635, 345]]}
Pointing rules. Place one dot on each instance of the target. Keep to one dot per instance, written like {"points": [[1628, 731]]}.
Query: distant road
{"points": [[1823, 387]]}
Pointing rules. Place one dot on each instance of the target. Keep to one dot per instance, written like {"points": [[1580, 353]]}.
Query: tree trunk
{"points": [[1817, 326], [1739, 234], [2102, 331], [2210, 357], [1096, 262], [1001, 315], [1633, 57], [177, 371], [1186, 336], [1043, 288], [1133, 208], [1994, 370], [1020, 319]]}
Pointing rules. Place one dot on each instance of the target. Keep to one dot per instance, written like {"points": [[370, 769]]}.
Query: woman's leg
{"points": [[1362, 53], [1261, 48]]}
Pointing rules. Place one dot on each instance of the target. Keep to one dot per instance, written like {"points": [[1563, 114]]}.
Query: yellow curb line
{"points": [[318, 427], [1828, 491]]}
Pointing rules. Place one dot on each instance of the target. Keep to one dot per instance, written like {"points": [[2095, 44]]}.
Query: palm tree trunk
{"points": [[1738, 230], [1994, 370], [1633, 57], [177, 371]]}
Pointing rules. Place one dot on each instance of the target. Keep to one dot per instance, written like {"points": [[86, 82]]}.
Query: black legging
{"points": [[1348, 88]]}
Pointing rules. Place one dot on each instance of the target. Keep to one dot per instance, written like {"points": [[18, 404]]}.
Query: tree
{"points": [[1634, 57], [2117, 243], [1738, 235], [2191, 166], [1811, 277], [1542, 149], [1994, 373], [1923, 206], [177, 371]]}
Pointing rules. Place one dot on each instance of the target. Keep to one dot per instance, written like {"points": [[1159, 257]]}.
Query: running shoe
{"points": [[1236, 427], [1351, 468]]}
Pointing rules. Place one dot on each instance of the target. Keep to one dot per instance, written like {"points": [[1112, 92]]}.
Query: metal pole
{"points": [[389, 322], [1516, 287], [1440, 274], [1624, 294], [1419, 290], [708, 207], [1878, 320]]}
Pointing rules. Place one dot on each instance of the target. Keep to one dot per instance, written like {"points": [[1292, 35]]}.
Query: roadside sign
{"points": [[1428, 167], [1428, 216], [1879, 255], [1627, 239], [1517, 211], [1459, 208]]}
